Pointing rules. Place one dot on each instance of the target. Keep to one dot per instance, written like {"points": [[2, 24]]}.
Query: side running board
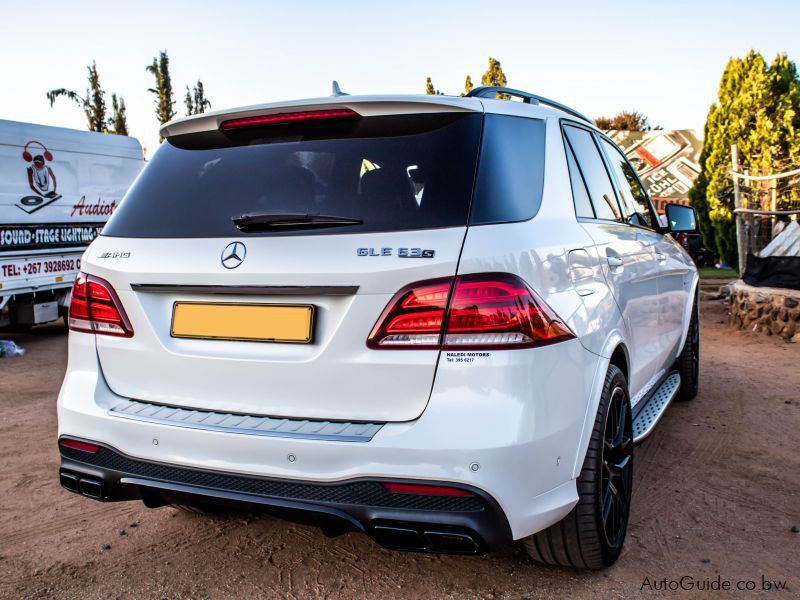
{"points": [[654, 407]]}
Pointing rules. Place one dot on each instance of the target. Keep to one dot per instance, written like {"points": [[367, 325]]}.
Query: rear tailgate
{"points": [[334, 377], [407, 180]]}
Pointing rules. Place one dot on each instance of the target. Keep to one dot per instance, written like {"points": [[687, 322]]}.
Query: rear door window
{"points": [[390, 172], [580, 195], [601, 191]]}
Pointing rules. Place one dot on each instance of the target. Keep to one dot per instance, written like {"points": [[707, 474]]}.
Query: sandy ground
{"points": [[716, 494]]}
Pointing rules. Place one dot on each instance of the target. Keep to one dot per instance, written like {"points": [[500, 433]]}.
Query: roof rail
{"points": [[491, 91]]}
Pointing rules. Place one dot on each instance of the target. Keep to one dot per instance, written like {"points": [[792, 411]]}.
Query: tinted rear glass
{"points": [[393, 173], [511, 176]]}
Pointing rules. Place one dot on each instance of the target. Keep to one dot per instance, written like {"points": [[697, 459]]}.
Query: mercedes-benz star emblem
{"points": [[233, 255]]}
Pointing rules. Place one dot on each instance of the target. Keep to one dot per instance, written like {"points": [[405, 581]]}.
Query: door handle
{"points": [[615, 262], [660, 257]]}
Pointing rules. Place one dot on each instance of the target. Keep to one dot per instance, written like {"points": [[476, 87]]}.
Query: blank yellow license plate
{"points": [[284, 323]]}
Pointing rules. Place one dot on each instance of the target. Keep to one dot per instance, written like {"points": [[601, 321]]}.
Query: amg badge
{"points": [[399, 252]]}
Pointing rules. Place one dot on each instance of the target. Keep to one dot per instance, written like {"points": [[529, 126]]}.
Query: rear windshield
{"points": [[391, 173]]}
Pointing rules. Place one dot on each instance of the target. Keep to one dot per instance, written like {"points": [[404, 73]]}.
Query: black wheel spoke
{"points": [[616, 463], [608, 502], [623, 413]]}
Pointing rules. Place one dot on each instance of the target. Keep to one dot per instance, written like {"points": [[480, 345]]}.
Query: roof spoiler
{"points": [[366, 106]]}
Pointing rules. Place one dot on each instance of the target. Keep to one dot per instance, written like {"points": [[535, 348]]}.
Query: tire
{"points": [[688, 362], [585, 539]]}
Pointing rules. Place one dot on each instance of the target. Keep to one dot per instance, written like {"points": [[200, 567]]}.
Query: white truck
{"points": [[57, 189]]}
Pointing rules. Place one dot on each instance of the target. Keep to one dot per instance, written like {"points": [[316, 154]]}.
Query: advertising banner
{"points": [[667, 161]]}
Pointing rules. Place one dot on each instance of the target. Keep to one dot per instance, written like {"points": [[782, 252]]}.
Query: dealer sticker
{"points": [[465, 357]]}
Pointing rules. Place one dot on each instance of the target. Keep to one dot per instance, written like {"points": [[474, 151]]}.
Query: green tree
{"points": [[165, 104], [758, 109], [468, 85], [93, 103], [118, 123], [195, 100], [494, 75], [627, 120], [430, 90]]}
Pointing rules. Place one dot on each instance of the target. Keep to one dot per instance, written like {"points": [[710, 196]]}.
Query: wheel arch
{"points": [[615, 352], [619, 358]]}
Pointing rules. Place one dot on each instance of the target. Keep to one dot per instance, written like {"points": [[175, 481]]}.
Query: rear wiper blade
{"points": [[265, 221]]}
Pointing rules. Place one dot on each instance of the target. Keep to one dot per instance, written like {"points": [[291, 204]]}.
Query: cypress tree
{"points": [[758, 109], [195, 100], [93, 104], [430, 90], [119, 118], [165, 104]]}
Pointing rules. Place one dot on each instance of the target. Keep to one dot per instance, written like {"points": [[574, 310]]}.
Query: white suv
{"points": [[440, 321]]}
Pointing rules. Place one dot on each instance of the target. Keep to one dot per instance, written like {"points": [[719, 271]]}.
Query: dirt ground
{"points": [[715, 495]]}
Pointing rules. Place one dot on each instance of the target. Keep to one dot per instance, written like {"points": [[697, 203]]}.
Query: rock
{"points": [[105, 547], [759, 298], [790, 302], [795, 529]]}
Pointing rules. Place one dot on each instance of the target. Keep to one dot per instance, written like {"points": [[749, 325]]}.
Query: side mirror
{"points": [[681, 218]]}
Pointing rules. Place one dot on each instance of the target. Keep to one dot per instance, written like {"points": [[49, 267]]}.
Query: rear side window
{"points": [[634, 199], [588, 157], [511, 172], [390, 172]]}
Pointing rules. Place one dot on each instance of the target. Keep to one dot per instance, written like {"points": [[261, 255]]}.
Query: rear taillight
{"points": [[482, 311], [96, 308], [306, 116]]}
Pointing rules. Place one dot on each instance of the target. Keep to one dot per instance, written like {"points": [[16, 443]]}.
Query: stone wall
{"points": [[770, 311]]}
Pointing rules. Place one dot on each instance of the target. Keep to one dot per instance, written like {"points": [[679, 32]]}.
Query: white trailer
{"points": [[57, 189]]}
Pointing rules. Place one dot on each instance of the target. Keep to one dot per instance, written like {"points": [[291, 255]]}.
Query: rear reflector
{"points": [[425, 490], [96, 308], [78, 445], [481, 311], [288, 118]]}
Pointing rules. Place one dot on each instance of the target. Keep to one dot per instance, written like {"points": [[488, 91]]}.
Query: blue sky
{"points": [[663, 59]]}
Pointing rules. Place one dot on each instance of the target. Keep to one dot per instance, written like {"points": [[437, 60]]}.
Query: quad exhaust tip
{"points": [[85, 486], [422, 537]]}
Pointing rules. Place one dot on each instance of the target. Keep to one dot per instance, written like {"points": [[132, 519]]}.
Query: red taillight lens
{"points": [[96, 308], [483, 311], [425, 490], [414, 317], [288, 118], [78, 445], [499, 310]]}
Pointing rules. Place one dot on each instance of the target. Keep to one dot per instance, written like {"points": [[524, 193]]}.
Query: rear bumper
{"points": [[509, 425], [471, 524]]}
